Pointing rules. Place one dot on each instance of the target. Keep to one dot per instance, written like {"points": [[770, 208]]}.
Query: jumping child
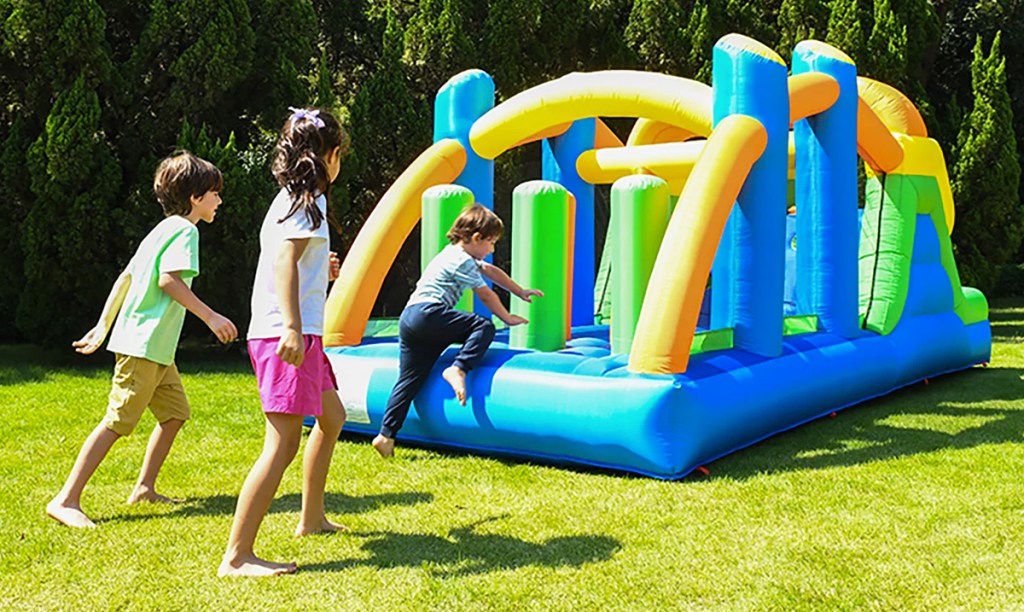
{"points": [[146, 307], [430, 322], [285, 337]]}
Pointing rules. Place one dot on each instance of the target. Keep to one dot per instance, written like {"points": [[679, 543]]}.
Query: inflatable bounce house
{"points": [[702, 194]]}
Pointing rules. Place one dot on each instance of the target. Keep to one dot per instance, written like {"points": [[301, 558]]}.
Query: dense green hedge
{"points": [[94, 92]]}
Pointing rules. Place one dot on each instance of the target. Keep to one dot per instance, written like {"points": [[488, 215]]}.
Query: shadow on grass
{"points": [[464, 552], [336, 503], [952, 412]]}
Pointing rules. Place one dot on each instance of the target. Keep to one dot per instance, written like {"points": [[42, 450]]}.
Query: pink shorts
{"points": [[285, 388]]}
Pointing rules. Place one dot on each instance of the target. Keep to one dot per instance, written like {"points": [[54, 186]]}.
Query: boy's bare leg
{"points": [[315, 465], [279, 447], [66, 507], [156, 452], [384, 445], [457, 379]]}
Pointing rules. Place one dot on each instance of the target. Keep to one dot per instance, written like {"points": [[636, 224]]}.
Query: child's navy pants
{"points": [[425, 330]]}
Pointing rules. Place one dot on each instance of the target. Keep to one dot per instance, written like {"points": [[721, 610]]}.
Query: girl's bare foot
{"points": [[385, 446], [325, 526], [457, 379], [143, 493], [254, 566], [72, 516]]}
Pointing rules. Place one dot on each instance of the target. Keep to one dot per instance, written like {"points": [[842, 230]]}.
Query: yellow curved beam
{"points": [[811, 93], [378, 242], [648, 131], [672, 303], [875, 143], [610, 93], [671, 161], [893, 108]]}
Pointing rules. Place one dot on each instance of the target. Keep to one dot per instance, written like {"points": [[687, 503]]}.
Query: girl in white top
{"points": [[285, 337]]}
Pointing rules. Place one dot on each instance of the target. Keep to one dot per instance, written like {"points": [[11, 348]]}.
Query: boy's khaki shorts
{"points": [[138, 383]]}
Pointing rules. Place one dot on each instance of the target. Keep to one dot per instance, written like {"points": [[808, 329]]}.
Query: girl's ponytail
{"points": [[307, 136]]}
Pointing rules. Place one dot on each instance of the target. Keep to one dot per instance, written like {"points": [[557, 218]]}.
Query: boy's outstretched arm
{"points": [[498, 276], [221, 326], [93, 339], [493, 303]]}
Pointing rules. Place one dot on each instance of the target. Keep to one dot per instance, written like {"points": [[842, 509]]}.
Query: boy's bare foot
{"points": [[72, 516], [145, 494], [385, 446], [254, 566], [457, 379], [325, 526]]}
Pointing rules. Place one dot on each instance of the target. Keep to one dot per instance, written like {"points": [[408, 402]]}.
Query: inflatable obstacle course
{"points": [[807, 313]]}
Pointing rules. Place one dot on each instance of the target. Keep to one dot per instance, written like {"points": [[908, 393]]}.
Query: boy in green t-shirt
{"points": [[147, 307]]}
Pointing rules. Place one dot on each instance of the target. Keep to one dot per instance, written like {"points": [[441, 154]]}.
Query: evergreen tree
{"points": [[324, 94], [436, 44], [603, 42], [986, 176], [844, 29], [16, 195], [887, 45], [284, 36], [702, 32], [656, 32], [509, 32], [389, 128], [800, 20], [66, 234]]}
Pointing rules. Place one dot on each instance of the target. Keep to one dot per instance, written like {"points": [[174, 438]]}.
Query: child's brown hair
{"points": [[181, 176], [477, 219]]}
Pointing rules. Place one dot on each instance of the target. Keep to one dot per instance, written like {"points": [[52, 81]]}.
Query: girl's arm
{"points": [[221, 326], [498, 276], [95, 336], [290, 348], [493, 303]]}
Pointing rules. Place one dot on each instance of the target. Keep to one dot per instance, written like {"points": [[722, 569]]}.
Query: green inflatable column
{"points": [[441, 205], [640, 213], [540, 260]]}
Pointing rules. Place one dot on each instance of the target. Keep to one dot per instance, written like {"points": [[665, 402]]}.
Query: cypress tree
{"points": [[16, 195], [75, 180], [887, 43], [436, 44], [844, 29], [986, 176], [507, 38], [800, 20], [656, 32]]}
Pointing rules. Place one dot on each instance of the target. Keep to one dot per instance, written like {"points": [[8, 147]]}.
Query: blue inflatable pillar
{"points": [[747, 278], [559, 165], [826, 197], [458, 104]]}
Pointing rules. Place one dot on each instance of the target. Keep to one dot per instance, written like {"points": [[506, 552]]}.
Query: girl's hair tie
{"points": [[303, 113]]}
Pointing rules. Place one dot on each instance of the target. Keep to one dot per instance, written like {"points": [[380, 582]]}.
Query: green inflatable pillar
{"points": [[640, 212], [441, 205], [541, 237]]}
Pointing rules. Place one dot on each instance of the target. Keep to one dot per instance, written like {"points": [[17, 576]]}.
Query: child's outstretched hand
{"points": [[91, 340], [527, 294], [223, 328], [335, 267], [514, 320]]}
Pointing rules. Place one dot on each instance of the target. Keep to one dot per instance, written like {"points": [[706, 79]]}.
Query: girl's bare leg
{"points": [[316, 464], [66, 507], [279, 447]]}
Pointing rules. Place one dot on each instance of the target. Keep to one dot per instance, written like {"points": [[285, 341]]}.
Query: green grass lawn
{"points": [[913, 501]]}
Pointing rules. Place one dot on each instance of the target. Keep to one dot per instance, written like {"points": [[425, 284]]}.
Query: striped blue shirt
{"points": [[447, 276]]}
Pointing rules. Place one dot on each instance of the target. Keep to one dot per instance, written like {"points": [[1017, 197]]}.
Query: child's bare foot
{"points": [[254, 566], [384, 445], [145, 494], [72, 516], [457, 379], [325, 526]]}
